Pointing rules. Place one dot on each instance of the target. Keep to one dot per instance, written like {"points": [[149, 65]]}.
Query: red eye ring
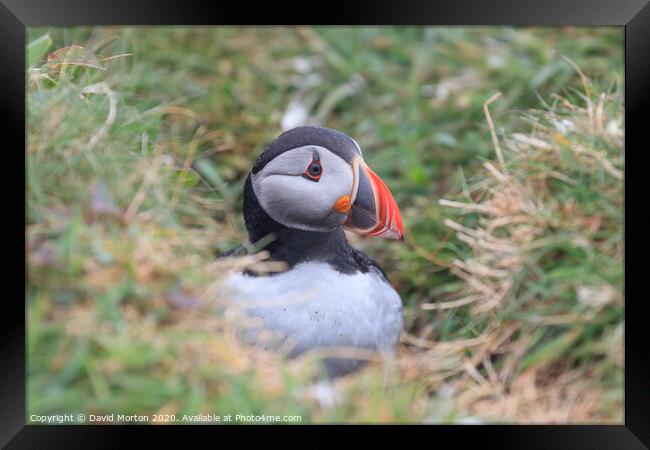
{"points": [[314, 170]]}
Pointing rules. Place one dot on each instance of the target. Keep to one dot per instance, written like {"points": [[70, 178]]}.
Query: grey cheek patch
{"points": [[280, 196], [296, 202]]}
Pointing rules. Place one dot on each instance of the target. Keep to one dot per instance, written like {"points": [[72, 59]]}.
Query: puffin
{"points": [[303, 190]]}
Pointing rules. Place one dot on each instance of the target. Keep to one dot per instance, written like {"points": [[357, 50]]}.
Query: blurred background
{"points": [[502, 146]]}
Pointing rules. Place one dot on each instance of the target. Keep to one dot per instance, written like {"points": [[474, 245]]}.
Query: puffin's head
{"points": [[315, 179]]}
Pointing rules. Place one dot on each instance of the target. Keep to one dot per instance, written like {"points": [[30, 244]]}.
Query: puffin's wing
{"points": [[365, 263]]}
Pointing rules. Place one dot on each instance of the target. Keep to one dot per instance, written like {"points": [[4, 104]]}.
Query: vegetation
{"points": [[503, 148]]}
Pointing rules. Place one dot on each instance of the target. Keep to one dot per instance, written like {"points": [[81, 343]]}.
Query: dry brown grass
{"points": [[518, 214]]}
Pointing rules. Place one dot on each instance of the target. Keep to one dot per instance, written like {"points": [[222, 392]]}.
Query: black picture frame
{"points": [[634, 15]]}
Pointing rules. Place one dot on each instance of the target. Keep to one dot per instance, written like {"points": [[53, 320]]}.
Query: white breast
{"points": [[316, 306]]}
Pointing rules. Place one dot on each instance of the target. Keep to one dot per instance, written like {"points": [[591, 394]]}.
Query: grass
{"points": [[139, 141]]}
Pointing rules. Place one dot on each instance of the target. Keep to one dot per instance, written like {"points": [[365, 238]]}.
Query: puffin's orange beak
{"points": [[373, 209]]}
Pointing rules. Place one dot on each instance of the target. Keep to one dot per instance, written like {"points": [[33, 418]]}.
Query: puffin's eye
{"points": [[314, 171]]}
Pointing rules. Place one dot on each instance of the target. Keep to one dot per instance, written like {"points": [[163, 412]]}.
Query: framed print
{"points": [[411, 214]]}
